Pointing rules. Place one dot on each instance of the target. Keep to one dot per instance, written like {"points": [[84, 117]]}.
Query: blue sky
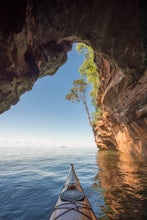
{"points": [[44, 118]]}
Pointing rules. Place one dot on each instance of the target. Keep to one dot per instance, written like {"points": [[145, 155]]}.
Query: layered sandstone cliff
{"points": [[36, 35]]}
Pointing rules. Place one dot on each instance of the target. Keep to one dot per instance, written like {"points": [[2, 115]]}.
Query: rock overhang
{"points": [[35, 37]]}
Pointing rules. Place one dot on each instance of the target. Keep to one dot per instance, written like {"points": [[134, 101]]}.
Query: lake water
{"points": [[32, 178]]}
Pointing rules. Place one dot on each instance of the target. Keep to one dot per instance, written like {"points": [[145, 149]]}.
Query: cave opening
{"points": [[43, 116]]}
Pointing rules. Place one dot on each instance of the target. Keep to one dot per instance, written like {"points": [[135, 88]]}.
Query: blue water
{"points": [[32, 178]]}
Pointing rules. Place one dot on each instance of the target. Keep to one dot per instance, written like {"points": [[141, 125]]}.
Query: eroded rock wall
{"points": [[36, 35], [123, 97]]}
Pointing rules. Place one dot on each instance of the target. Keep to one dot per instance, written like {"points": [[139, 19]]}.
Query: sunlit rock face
{"points": [[36, 35], [123, 96]]}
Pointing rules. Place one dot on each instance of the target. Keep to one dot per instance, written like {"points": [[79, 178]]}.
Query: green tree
{"points": [[90, 76], [89, 70], [78, 94]]}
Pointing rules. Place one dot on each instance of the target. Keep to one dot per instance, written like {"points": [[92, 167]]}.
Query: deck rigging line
{"points": [[77, 208]]}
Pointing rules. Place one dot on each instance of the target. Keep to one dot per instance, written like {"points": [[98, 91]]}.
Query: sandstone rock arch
{"points": [[36, 35]]}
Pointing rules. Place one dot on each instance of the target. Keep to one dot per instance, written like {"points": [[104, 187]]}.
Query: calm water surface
{"points": [[32, 178], [124, 182]]}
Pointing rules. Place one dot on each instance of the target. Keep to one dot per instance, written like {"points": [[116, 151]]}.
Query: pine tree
{"points": [[78, 94]]}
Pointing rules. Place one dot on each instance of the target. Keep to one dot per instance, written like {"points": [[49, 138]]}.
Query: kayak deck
{"points": [[72, 203]]}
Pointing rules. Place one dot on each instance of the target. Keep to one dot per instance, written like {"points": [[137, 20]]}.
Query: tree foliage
{"points": [[90, 76], [89, 70], [78, 94]]}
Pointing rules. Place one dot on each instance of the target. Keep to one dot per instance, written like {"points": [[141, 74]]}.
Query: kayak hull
{"points": [[72, 203]]}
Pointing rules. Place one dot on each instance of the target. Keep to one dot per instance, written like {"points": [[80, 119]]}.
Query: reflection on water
{"points": [[124, 181]]}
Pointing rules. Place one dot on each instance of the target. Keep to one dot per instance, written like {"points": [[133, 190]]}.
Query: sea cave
{"points": [[35, 37]]}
